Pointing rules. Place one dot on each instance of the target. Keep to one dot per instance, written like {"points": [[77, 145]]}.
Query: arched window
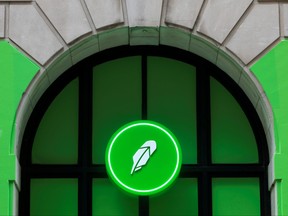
{"points": [[224, 170]]}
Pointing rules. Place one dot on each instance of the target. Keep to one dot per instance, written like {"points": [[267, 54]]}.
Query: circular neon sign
{"points": [[143, 157]]}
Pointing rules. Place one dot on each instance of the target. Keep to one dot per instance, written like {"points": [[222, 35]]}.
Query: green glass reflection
{"points": [[180, 199], [110, 200], [236, 196], [117, 98], [233, 140], [54, 197], [56, 139], [172, 101]]}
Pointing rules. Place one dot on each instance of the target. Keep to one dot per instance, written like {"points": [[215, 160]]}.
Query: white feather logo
{"points": [[142, 155]]}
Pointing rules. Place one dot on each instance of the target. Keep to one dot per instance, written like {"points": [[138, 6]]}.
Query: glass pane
{"points": [[54, 197], [172, 101], [107, 199], [56, 140], [236, 196], [233, 140], [180, 199], [117, 100]]}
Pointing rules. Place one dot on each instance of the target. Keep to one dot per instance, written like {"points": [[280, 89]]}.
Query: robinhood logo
{"points": [[143, 154], [143, 157]]}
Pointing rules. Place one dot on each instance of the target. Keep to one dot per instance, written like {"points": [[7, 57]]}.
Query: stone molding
{"points": [[55, 43], [225, 24]]}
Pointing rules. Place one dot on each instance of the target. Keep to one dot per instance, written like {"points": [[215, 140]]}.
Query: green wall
{"points": [[272, 72], [16, 72]]}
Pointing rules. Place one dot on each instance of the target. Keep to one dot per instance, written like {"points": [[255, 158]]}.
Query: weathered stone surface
{"points": [[285, 19], [28, 30], [272, 0], [273, 188], [62, 63], [175, 38], [250, 86], [144, 13], [184, 14], [2, 20], [38, 87], [229, 65], [105, 13], [203, 48], [220, 17], [271, 170], [265, 113], [144, 36], [84, 49], [257, 32], [113, 38], [23, 114], [68, 18]]}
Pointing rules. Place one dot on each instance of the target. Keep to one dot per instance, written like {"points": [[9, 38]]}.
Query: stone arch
{"points": [[58, 37], [228, 43], [226, 61]]}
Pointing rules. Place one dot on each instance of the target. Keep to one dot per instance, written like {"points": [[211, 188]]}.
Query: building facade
{"points": [[74, 71]]}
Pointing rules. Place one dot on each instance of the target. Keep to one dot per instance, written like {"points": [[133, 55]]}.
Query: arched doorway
{"points": [[225, 154]]}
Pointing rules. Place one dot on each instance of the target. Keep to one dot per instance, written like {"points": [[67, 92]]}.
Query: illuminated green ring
{"points": [[153, 190]]}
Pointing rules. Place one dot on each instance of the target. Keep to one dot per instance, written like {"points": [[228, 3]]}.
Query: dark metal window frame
{"points": [[85, 171]]}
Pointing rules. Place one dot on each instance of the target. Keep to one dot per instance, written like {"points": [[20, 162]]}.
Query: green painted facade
{"points": [[17, 71], [272, 72]]}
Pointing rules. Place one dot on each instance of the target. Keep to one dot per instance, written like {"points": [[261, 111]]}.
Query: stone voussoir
{"points": [[30, 32], [2, 21], [68, 18], [184, 14], [106, 13], [220, 17], [252, 37]]}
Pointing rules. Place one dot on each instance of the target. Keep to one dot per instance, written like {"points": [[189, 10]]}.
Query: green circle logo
{"points": [[143, 157]]}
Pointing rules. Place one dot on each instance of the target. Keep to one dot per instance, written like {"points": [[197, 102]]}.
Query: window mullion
{"points": [[203, 116], [265, 199], [85, 141], [204, 195], [24, 194], [144, 87], [203, 139], [143, 205], [144, 200]]}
